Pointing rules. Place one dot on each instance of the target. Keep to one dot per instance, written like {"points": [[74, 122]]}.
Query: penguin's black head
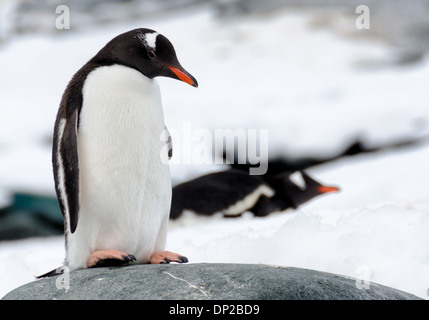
{"points": [[146, 51], [307, 189]]}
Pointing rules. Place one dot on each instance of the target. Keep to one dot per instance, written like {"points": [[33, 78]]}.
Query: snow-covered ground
{"points": [[314, 91]]}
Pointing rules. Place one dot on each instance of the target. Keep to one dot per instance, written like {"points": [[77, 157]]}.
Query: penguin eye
{"points": [[151, 54]]}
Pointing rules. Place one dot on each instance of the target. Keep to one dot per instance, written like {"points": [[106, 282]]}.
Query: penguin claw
{"points": [[109, 258], [165, 257], [183, 259], [128, 257]]}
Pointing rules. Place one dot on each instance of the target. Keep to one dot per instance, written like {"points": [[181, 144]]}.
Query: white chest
{"points": [[125, 188]]}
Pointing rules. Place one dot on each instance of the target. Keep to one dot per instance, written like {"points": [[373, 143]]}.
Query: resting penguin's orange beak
{"points": [[325, 189], [184, 76]]}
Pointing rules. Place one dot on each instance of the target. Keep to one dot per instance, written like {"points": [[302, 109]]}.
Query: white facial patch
{"points": [[148, 39], [151, 39], [298, 180]]}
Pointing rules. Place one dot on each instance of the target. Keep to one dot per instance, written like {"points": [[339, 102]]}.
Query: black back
{"points": [[213, 193]]}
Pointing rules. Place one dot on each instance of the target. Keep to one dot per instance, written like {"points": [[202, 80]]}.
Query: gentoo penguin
{"points": [[234, 192], [112, 184]]}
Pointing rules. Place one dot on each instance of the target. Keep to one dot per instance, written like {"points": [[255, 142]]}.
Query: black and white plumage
{"points": [[113, 187], [234, 192]]}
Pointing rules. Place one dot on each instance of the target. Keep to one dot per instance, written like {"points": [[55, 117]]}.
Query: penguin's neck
{"points": [[117, 89]]}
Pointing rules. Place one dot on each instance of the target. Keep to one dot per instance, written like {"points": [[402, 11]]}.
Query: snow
{"points": [[314, 91]]}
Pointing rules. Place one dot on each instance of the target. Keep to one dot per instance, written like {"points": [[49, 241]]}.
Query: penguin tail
{"points": [[52, 273]]}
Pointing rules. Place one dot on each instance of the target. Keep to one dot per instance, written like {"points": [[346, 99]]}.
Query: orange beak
{"points": [[184, 76], [325, 189]]}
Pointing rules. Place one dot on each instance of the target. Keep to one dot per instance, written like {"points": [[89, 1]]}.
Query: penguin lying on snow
{"points": [[113, 188], [233, 192]]}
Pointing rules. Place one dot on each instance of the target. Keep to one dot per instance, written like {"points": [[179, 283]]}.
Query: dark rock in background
{"points": [[30, 215], [204, 282], [279, 164]]}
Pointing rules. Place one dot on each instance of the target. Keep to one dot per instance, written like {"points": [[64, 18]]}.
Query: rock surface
{"points": [[203, 281]]}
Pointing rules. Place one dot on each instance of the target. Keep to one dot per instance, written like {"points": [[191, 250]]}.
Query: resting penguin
{"points": [[111, 173], [234, 192]]}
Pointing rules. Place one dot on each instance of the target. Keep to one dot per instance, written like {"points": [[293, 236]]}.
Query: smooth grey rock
{"points": [[201, 282]]}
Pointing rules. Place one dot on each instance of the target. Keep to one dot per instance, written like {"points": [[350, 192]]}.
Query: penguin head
{"points": [[146, 51], [299, 187]]}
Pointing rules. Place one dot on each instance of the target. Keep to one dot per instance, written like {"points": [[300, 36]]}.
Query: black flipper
{"points": [[170, 144], [65, 148], [66, 168]]}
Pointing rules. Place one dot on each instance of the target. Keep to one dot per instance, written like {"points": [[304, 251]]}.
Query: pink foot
{"points": [[104, 258], [160, 257]]}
